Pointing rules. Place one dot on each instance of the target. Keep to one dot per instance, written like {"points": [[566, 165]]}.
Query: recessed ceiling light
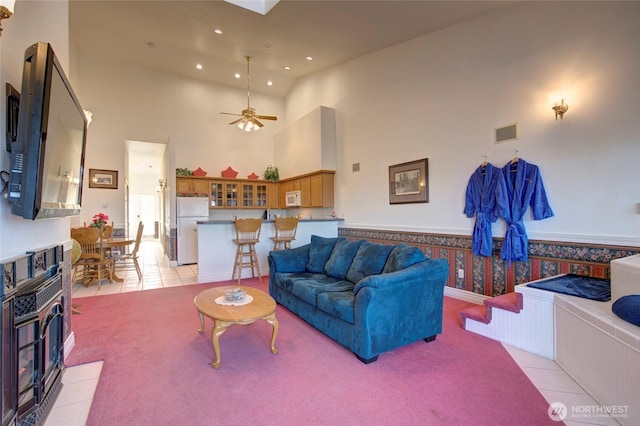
{"points": [[237, 75], [309, 58], [269, 83], [199, 66], [287, 67], [217, 31], [267, 46]]}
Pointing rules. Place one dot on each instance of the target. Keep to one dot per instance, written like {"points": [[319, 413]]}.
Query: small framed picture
{"points": [[409, 182], [107, 179]]}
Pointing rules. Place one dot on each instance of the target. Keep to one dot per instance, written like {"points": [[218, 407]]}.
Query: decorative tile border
{"points": [[490, 276]]}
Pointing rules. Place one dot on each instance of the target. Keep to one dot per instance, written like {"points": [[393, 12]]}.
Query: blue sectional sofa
{"points": [[368, 297]]}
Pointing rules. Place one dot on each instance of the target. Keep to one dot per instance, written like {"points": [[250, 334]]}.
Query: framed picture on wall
{"points": [[107, 179], [409, 182]]}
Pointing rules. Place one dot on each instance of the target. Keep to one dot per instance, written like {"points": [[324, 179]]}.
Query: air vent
{"points": [[355, 167], [507, 133]]}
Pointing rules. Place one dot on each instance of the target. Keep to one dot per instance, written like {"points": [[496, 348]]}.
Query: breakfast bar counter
{"points": [[216, 249]]}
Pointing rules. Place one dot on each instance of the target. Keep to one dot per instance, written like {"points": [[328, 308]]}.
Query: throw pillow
{"points": [[319, 251], [341, 257], [628, 308], [402, 257], [370, 259]]}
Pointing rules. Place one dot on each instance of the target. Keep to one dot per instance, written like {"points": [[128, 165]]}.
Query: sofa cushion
{"points": [[308, 289], [402, 257], [628, 308], [341, 257], [285, 280], [369, 260], [319, 252], [338, 304]]}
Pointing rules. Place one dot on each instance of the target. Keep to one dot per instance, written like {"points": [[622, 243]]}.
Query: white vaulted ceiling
{"points": [[174, 36]]}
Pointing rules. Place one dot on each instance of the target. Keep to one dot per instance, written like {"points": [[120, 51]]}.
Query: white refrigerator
{"points": [[189, 210]]}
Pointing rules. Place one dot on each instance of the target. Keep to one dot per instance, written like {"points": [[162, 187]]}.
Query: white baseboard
{"points": [[69, 344]]}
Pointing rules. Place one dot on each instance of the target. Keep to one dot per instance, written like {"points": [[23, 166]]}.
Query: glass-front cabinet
{"points": [[216, 197], [261, 195], [248, 199], [230, 194]]}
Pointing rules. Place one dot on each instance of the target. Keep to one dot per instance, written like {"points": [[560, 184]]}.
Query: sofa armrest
{"points": [[293, 260], [400, 307]]}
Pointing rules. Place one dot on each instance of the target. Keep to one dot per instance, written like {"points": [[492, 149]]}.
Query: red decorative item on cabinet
{"points": [[229, 173], [253, 176], [199, 172]]}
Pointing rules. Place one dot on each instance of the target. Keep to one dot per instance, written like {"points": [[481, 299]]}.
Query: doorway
{"points": [[145, 189]]}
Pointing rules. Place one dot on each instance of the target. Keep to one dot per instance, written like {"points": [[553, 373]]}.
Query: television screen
{"points": [[47, 159]]}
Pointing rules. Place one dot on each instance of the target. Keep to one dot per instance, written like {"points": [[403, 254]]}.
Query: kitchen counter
{"points": [[222, 221], [216, 250]]}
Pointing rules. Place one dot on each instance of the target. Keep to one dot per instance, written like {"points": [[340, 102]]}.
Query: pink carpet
{"points": [[157, 371]]}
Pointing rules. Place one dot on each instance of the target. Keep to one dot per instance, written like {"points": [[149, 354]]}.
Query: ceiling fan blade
{"points": [[237, 121], [257, 123], [267, 117], [231, 113]]}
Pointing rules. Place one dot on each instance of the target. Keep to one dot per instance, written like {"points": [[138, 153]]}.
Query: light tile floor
{"points": [[73, 403]]}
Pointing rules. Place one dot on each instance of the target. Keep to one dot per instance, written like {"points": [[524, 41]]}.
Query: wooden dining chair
{"points": [[247, 236], [285, 232], [107, 231], [127, 260], [93, 264]]}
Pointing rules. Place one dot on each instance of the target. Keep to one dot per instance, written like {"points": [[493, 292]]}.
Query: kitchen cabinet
{"points": [[191, 186], [254, 195], [273, 197], [316, 189], [305, 192], [216, 197], [321, 189], [292, 184], [240, 194]]}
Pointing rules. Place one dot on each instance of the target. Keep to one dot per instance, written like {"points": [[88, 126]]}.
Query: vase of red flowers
{"points": [[99, 221]]}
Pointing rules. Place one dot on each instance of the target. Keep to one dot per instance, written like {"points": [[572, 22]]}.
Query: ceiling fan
{"points": [[249, 118]]}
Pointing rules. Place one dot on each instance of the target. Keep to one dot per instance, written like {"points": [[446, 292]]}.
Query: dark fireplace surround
{"points": [[32, 326]]}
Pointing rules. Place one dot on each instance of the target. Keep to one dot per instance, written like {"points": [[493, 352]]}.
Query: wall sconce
{"points": [[560, 108], [6, 10], [89, 116]]}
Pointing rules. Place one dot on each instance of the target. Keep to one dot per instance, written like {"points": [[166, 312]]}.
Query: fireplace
{"points": [[32, 336]]}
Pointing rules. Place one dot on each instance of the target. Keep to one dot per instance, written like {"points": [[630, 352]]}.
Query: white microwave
{"points": [[293, 198]]}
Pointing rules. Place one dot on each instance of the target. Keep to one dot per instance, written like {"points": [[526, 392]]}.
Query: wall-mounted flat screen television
{"points": [[47, 158]]}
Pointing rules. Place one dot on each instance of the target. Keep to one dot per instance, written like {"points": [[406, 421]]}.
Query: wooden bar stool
{"points": [[247, 236], [285, 232]]}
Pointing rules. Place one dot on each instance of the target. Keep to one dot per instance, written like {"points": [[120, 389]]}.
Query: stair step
{"points": [[478, 313], [509, 302]]}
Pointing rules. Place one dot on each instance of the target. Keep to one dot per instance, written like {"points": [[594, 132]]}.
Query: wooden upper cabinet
{"points": [[321, 190], [273, 196], [316, 189], [305, 192], [188, 186], [240, 194]]}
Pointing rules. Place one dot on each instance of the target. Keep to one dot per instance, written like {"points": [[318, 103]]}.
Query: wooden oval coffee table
{"points": [[261, 307]]}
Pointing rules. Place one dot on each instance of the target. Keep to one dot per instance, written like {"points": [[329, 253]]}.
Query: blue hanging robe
{"points": [[486, 191], [524, 188]]}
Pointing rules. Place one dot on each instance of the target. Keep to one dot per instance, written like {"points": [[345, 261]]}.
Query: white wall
{"points": [[32, 21], [441, 96], [307, 144], [131, 103]]}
